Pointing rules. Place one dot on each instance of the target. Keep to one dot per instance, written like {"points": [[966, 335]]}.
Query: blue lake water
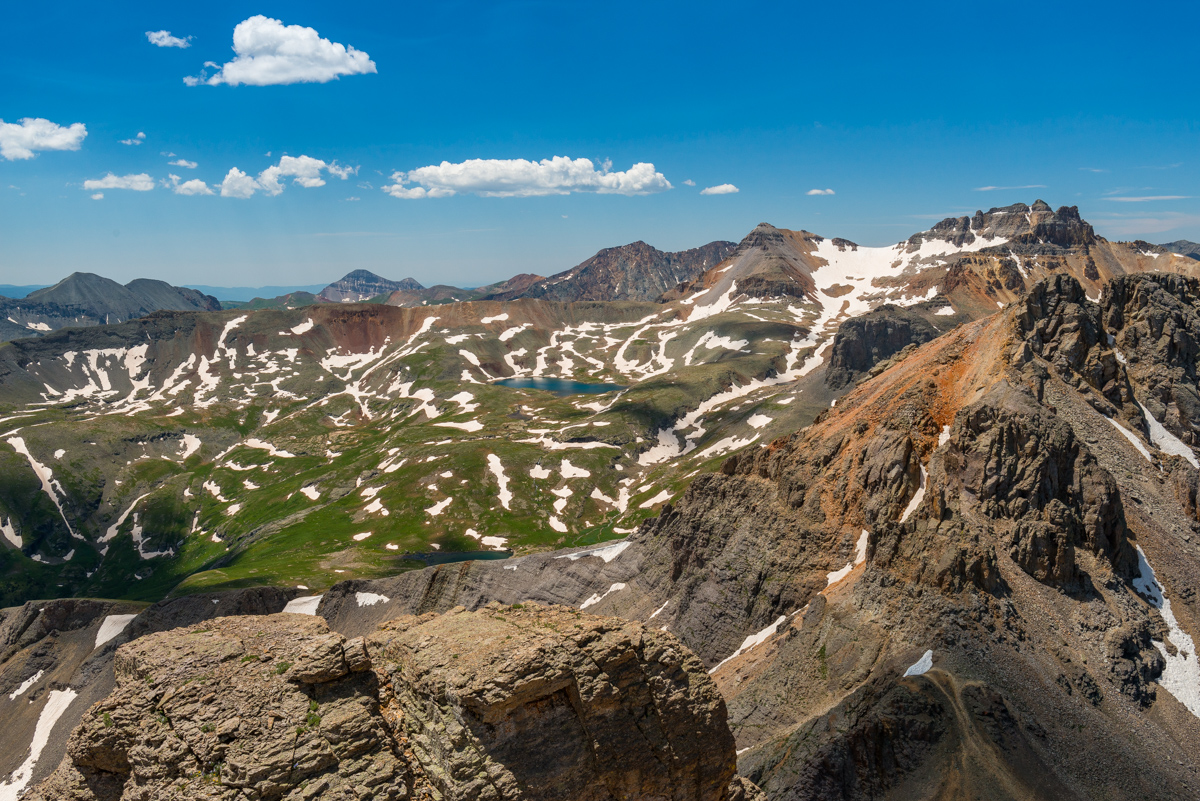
{"points": [[559, 386], [430, 558]]}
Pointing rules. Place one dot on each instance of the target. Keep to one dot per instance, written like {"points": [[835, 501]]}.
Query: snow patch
{"points": [[751, 641], [921, 666], [1167, 442], [497, 469], [10, 534], [1133, 439], [56, 704], [370, 598], [597, 598], [1181, 676], [111, 627], [438, 507], [304, 605], [569, 470], [607, 552], [665, 495], [916, 498], [25, 685]]}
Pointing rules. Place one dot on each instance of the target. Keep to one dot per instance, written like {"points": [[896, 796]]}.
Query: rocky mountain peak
{"points": [[636, 271], [360, 285], [1022, 228]]}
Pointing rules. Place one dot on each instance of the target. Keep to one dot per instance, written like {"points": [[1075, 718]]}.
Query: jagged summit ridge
{"points": [[1020, 227]]}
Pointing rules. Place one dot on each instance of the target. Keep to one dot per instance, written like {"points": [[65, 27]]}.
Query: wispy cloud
{"points": [[689, 182], [1143, 226], [271, 54], [720, 189], [98, 196], [820, 192], [136, 140], [1092, 169], [165, 39], [140, 182], [21, 140], [1147, 198], [187, 165], [559, 175], [1174, 166], [1007, 188]]}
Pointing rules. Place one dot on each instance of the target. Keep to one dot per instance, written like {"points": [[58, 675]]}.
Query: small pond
{"points": [[430, 558], [559, 386]]}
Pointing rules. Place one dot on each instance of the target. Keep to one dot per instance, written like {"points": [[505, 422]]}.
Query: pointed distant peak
{"points": [[1041, 205], [358, 285], [362, 275]]}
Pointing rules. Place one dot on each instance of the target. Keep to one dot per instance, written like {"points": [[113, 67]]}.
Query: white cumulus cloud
{"points": [[521, 178], [238, 184], [98, 196], [270, 53], [192, 187], [137, 140], [689, 182], [165, 39], [140, 182], [189, 165], [20, 140], [304, 171], [820, 192], [720, 189]]}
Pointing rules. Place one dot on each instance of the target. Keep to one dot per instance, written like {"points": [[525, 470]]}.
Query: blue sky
{"points": [[904, 111]]}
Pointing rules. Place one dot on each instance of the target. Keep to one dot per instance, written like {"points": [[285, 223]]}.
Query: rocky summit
{"points": [[503, 703], [816, 521]]}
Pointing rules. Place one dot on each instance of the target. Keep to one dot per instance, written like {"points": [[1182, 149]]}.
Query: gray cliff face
{"points": [[505, 703], [862, 342]]}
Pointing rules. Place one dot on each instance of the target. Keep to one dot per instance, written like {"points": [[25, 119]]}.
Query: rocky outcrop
{"points": [[545, 702], [505, 703], [862, 342]]}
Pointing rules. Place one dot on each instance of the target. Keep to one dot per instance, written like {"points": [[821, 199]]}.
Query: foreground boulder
{"points": [[503, 703]]}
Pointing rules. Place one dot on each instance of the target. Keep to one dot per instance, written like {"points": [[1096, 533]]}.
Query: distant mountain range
{"points": [[1184, 248], [87, 299], [779, 263]]}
